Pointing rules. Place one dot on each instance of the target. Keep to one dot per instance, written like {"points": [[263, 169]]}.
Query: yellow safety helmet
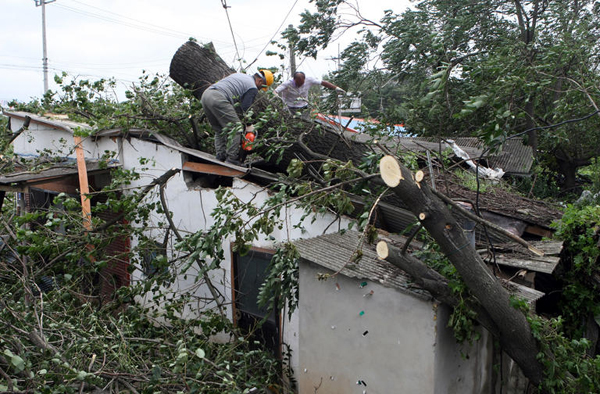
{"points": [[268, 76]]}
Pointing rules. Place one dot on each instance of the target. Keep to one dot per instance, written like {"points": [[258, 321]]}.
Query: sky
{"points": [[94, 39]]}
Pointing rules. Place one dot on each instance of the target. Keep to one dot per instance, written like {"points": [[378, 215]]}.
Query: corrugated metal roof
{"points": [[514, 158]]}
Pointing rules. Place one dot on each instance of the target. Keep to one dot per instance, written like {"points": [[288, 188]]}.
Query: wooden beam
{"points": [[84, 188], [215, 169], [15, 189], [545, 264]]}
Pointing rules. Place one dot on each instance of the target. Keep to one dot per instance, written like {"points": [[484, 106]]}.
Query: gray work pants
{"points": [[225, 122]]}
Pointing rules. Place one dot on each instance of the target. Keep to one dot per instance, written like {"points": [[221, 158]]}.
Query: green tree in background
{"points": [[492, 69]]}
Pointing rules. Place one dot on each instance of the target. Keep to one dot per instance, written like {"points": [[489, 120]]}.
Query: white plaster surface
{"points": [[336, 356]]}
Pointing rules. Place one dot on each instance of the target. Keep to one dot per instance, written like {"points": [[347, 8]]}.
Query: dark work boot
{"points": [[235, 162]]}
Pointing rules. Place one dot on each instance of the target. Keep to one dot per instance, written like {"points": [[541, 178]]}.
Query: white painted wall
{"points": [[37, 137], [192, 207], [397, 355]]}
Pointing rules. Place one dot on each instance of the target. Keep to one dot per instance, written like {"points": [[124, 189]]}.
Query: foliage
{"points": [[280, 288], [592, 173], [154, 103], [64, 335], [494, 70], [580, 228], [461, 67], [569, 368]]}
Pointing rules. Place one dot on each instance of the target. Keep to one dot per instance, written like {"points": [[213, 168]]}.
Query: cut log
{"points": [[197, 67], [390, 171]]}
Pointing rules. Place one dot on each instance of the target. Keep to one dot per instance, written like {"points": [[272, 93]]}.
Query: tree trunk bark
{"points": [[514, 330], [197, 67]]}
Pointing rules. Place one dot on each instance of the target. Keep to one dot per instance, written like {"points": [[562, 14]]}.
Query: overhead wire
{"points": [[274, 34], [141, 23], [148, 28], [237, 52], [120, 19]]}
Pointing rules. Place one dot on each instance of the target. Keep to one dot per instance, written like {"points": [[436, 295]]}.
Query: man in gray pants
{"points": [[224, 102]]}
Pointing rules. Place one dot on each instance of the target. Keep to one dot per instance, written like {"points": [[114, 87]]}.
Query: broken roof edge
{"points": [[53, 121], [58, 170], [140, 133]]}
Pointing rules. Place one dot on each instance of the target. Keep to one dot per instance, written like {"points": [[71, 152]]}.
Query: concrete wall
{"points": [[388, 348], [462, 368]]}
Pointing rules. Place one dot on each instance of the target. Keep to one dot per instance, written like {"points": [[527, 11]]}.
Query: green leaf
{"points": [[15, 360], [81, 375]]}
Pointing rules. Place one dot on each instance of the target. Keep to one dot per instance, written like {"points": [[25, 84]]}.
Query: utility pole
{"points": [[45, 50], [292, 56]]}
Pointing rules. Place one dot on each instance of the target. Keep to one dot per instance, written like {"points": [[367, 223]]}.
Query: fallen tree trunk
{"points": [[431, 280], [197, 67], [514, 331]]}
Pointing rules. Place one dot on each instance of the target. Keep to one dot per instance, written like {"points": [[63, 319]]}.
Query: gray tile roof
{"points": [[335, 251]]}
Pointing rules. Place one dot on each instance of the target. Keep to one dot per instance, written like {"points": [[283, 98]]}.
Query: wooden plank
{"points": [[59, 186], [529, 294], [14, 189], [550, 248], [84, 189], [214, 169], [537, 230], [538, 264]]}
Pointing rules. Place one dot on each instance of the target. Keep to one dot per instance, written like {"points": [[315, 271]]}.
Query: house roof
{"points": [[54, 121], [55, 171], [514, 157], [332, 251], [335, 252]]}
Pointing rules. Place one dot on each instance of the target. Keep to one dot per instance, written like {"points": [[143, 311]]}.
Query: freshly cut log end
{"points": [[382, 250], [390, 171], [419, 176]]}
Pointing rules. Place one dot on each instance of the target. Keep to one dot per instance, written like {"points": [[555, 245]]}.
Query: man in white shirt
{"points": [[295, 91]]}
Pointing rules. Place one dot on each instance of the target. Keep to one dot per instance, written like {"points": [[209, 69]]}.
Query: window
{"points": [[249, 272]]}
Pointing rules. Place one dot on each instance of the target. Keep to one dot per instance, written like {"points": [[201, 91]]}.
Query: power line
{"points": [[150, 28], [139, 22], [123, 20], [237, 52], [274, 34]]}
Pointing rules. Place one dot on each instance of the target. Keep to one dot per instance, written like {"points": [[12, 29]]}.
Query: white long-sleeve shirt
{"points": [[294, 96]]}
